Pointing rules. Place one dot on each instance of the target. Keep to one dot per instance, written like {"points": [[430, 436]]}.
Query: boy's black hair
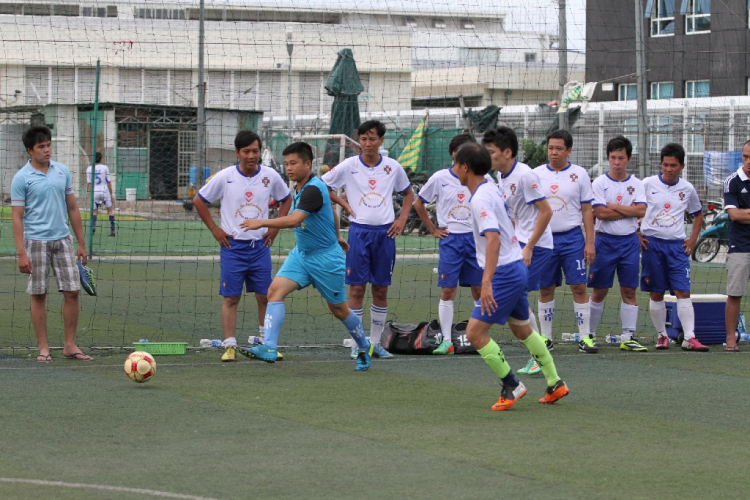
{"points": [[301, 149], [562, 134], [372, 124], [246, 137], [98, 158], [459, 141], [35, 135], [503, 138], [675, 150], [475, 157], [620, 142]]}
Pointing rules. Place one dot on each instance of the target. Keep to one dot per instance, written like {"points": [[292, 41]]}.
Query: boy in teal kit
{"points": [[318, 259]]}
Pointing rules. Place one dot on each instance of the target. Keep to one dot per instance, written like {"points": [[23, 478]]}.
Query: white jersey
{"points": [[626, 193], [566, 191], [521, 189], [369, 190], [101, 178], [665, 215], [490, 214], [453, 210], [244, 197]]}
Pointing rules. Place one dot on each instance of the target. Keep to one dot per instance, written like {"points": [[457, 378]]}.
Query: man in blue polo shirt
{"points": [[42, 199], [737, 205]]}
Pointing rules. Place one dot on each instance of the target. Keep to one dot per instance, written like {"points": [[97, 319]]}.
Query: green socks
{"points": [[538, 350], [494, 358]]}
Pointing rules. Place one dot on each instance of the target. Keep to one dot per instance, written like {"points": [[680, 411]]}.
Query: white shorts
{"points": [[102, 198]]}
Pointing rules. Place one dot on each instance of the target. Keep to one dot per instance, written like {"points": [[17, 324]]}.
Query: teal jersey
{"points": [[318, 230]]}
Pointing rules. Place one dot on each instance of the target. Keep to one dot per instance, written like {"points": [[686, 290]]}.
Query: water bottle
{"points": [[216, 343], [205, 343], [253, 340], [613, 339], [568, 337], [143, 341], [745, 337], [349, 343]]}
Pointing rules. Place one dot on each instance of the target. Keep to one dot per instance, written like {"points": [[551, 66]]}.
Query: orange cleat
{"points": [[555, 393], [509, 396]]}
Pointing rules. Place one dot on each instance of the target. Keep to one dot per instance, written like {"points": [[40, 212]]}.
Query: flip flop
{"points": [[44, 358], [79, 356], [734, 348]]}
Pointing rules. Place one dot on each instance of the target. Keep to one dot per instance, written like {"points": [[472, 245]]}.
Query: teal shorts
{"points": [[324, 269]]}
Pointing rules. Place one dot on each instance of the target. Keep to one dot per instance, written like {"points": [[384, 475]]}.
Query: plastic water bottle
{"points": [[349, 343], [205, 343], [570, 337], [253, 340], [613, 339], [216, 343], [143, 341], [745, 337]]}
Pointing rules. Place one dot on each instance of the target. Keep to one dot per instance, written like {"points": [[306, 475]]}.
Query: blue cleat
{"points": [[364, 359], [381, 353], [263, 353]]}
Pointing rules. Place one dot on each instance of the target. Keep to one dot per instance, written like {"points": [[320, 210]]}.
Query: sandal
{"points": [[732, 348], [44, 358], [79, 356]]}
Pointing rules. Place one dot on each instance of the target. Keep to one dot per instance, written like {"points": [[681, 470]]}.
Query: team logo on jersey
{"points": [[483, 214], [348, 271], [667, 207], [682, 196], [512, 189], [461, 197], [372, 183], [554, 188], [442, 276], [249, 196], [591, 276], [647, 280], [619, 199], [534, 186], [513, 240], [266, 181], [631, 190], [387, 169], [573, 177]]}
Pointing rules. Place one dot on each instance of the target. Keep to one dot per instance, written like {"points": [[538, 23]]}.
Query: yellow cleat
{"points": [[229, 355]]}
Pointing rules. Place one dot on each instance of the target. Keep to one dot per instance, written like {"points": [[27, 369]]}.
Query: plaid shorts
{"points": [[61, 255]]}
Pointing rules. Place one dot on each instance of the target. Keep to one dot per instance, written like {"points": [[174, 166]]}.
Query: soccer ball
{"points": [[140, 367]]}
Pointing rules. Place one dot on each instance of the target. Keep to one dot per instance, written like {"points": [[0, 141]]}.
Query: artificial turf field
{"points": [[656, 425]]}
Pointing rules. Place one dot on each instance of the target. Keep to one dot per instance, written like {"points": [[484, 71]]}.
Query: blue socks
{"points": [[354, 326], [112, 223], [274, 319]]}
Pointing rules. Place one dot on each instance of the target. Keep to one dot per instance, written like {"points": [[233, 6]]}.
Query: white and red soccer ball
{"points": [[140, 367]]}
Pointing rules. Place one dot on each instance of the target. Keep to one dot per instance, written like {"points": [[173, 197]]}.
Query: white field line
{"points": [[140, 491], [191, 258]]}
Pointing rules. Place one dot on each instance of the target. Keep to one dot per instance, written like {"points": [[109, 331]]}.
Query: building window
{"points": [[662, 18], [698, 16], [627, 92], [662, 90], [410, 22], [530, 57], [662, 131], [697, 88], [439, 23], [163, 14], [94, 11], [468, 24], [480, 56]]}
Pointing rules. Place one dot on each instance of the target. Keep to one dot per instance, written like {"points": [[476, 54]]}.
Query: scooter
{"points": [[712, 238]]}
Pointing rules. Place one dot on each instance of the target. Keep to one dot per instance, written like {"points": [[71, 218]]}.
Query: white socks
{"points": [[596, 310], [231, 341], [445, 314], [629, 319], [583, 316], [686, 313], [546, 313], [659, 316], [377, 322]]}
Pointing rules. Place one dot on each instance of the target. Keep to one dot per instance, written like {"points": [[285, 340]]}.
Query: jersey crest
{"points": [[248, 196], [372, 183], [461, 197], [682, 196], [619, 199], [631, 190], [266, 181], [512, 189], [387, 169], [554, 188], [573, 177], [667, 207]]}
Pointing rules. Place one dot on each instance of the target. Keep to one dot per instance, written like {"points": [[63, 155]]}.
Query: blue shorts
{"points": [[371, 255], [615, 252], [539, 259], [245, 263], [567, 257], [509, 290], [458, 262], [323, 269], [665, 266]]}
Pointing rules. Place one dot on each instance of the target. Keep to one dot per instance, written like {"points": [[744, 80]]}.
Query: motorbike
{"points": [[712, 238]]}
